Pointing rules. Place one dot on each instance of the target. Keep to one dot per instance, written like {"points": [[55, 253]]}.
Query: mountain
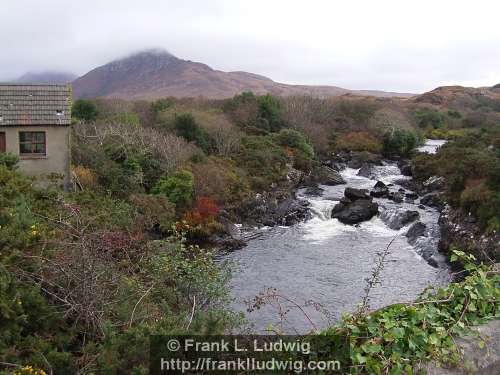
{"points": [[47, 77], [460, 97], [157, 73]]}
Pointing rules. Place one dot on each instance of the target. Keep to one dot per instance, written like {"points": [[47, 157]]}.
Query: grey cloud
{"points": [[288, 41]]}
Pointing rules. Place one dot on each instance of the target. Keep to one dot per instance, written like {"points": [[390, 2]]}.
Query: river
{"points": [[322, 265]]}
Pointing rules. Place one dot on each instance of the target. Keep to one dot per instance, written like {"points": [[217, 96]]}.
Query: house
{"points": [[35, 124]]}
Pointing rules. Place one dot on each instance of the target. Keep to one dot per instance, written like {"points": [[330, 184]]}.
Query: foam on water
{"points": [[431, 145]]}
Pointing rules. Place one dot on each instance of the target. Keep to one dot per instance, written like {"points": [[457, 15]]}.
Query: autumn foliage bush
{"points": [[358, 141]]}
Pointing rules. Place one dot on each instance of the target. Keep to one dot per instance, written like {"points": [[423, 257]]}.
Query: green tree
{"points": [[295, 140], [161, 105], [84, 110], [270, 112], [186, 127], [399, 142], [178, 188], [429, 117]]}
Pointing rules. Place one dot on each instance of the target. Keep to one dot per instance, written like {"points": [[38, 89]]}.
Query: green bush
{"points": [[454, 113], [357, 141], [161, 105], [399, 142], [295, 140], [178, 188], [263, 160], [9, 160], [270, 113], [85, 110], [186, 127], [429, 117]]}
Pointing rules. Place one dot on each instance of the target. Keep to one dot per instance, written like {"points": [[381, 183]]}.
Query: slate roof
{"points": [[32, 104]]}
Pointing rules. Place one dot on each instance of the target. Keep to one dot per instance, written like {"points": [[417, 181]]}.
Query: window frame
{"points": [[32, 143]]}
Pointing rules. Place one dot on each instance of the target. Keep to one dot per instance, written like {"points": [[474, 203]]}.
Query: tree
{"points": [[85, 110], [270, 112], [295, 140], [178, 188], [399, 142], [186, 127]]}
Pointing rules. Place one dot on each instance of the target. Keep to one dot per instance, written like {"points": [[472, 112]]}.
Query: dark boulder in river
{"points": [[396, 196], [314, 191], [354, 194], [366, 170], [325, 175], [404, 167], [379, 190], [357, 206], [432, 200], [415, 231], [399, 218], [355, 212]]}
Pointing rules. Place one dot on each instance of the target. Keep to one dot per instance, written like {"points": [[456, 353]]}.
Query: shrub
{"points": [[295, 140], [399, 142], [128, 159], [270, 113], [224, 137], [161, 105], [178, 188], [155, 211], [187, 128], [221, 180], [207, 208], [429, 117], [257, 152], [454, 113], [358, 141], [243, 110], [84, 110], [9, 160], [356, 111], [85, 177], [125, 118]]}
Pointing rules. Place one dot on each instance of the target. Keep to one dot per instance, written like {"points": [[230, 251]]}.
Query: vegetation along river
{"points": [[322, 265]]}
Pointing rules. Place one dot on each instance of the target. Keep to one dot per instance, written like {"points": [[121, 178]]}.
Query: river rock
{"points": [[291, 211], [354, 194], [379, 190], [325, 175], [411, 195], [432, 200], [399, 218], [355, 212], [405, 167], [416, 230], [396, 196], [313, 191], [227, 243], [476, 358], [366, 170]]}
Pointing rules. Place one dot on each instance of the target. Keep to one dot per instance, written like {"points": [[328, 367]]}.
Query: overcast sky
{"points": [[402, 45]]}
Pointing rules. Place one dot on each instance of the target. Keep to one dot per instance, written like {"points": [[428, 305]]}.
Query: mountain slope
{"points": [[157, 73], [459, 97], [46, 77]]}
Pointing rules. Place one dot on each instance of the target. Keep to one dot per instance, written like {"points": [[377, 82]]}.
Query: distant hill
{"points": [[47, 77], [459, 97], [157, 73]]}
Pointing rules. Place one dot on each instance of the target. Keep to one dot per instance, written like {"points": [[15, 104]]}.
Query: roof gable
{"points": [[31, 104]]}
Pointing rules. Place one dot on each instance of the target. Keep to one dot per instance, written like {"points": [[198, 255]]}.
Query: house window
{"points": [[32, 143]]}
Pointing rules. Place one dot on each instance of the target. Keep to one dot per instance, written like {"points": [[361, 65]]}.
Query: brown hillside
{"points": [[157, 73]]}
